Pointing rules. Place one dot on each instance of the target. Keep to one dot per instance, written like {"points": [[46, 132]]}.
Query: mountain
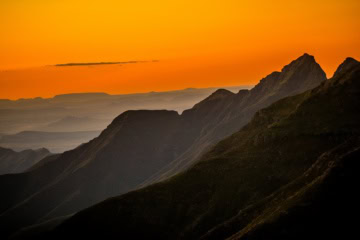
{"points": [[222, 114], [345, 66], [137, 144], [291, 173], [17, 162], [56, 142]]}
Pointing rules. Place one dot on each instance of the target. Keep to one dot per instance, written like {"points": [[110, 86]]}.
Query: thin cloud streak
{"points": [[99, 63]]}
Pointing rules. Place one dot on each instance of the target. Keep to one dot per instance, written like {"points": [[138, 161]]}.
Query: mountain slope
{"points": [[137, 144], [101, 168], [322, 209], [17, 162], [283, 143]]}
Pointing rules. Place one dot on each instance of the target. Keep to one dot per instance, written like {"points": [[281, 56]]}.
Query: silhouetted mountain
{"points": [[345, 66], [233, 111], [291, 173], [137, 144], [17, 162]]}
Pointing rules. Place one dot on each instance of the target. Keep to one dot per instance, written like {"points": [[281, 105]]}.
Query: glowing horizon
{"points": [[197, 43]]}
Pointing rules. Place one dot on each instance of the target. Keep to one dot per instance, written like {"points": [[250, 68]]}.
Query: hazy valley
{"points": [[65, 121]]}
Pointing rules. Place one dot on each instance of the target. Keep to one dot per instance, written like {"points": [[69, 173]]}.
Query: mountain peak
{"points": [[220, 93], [301, 74], [306, 56], [345, 65], [218, 96], [304, 60]]}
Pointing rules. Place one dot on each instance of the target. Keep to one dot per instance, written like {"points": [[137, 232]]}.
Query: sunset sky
{"points": [[197, 43]]}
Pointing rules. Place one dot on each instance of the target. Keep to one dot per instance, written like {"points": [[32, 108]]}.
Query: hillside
{"points": [[274, 173]]}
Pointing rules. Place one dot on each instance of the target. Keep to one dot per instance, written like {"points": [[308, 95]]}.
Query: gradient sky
{"points": [[198, 43]]}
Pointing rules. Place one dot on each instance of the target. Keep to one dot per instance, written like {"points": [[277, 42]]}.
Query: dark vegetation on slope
{"points": [[323, 209], [302, 146]]}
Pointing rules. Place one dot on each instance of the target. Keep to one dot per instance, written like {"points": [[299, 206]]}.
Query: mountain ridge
{"points": [[245, 169]]}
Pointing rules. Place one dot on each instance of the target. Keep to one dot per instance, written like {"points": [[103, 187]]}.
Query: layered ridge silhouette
{"points": [[291, 173], [142, 147]]}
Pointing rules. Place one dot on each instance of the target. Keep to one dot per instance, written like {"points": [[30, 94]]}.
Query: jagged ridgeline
{"points": [[288, 174]]}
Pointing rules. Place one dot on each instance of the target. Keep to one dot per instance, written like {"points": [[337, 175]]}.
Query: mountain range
{"points": [[205, 188], [290, 173], [89, 111], [65, 121]]}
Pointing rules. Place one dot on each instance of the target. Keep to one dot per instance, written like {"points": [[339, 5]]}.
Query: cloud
{"points": [[97, 63]]}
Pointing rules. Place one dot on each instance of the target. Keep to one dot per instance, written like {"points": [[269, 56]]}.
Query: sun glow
{"points": [[198, 43]]}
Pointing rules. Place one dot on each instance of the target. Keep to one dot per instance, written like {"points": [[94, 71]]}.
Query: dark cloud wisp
{"points": [[95, 63]]}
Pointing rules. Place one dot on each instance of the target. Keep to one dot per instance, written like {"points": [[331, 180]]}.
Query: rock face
{"points": [[292, 172], [17, 162], [345, 66], [142, 147]]}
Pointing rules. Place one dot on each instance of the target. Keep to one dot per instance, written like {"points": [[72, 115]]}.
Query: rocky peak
{"points": [[301, 74], [346, 65], [220, 93], [302, 61]]}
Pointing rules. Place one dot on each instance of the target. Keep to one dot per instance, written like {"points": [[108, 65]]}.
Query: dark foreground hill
{"points": [[291, 173], [137, 144], [17, 162]]}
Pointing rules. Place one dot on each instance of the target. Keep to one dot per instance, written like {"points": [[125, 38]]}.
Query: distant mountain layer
{"points": [[56, 142], [139, 144], [83, 112], [89, 111], [17, 162], [291, 173]]}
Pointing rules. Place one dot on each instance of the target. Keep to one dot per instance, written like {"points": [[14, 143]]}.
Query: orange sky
{"points": [[198, 43]]}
